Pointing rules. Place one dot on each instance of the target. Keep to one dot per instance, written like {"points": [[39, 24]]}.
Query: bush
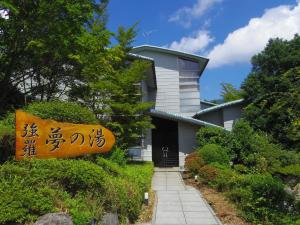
{"points": [[261, 197], [117, 155], [31, 188], [141, 173], [193, 163], [62, 111], [109, 166], [290, 174], [208, 174], [214, 153], [241, 168], [7, 140], [225, 180], [212, 135]]}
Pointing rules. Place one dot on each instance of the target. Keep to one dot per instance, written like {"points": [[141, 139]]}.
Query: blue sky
{"points": [[228, 32]]}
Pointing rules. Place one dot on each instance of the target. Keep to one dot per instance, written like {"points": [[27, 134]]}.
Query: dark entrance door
{"points": [[165, 143]]}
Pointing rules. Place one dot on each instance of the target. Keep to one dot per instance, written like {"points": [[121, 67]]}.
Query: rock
{"points": [[110, 219], [54, 219]]}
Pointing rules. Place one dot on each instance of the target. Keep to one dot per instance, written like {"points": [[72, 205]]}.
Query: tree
{"points": [[37, 40], [272, 91], [50, 49], [111, 84], [230, 93]]}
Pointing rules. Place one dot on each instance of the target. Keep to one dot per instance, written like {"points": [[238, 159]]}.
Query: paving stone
{"points": [[194, 198], [169, 208], [172, 188], [159, 188], [201, 221], [179, 204], [170, 218], [201, 214]]}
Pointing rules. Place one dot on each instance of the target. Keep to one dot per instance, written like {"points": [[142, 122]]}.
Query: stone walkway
{"points": [[179, 204]]}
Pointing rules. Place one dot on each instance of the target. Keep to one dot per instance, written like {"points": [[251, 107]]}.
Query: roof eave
{"points": [[181, 118], [195, 57], [220, 106]]}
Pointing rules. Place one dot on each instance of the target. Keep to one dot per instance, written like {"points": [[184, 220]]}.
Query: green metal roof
{"points": [[181, 118], [220, 106], [209, 103], [140, 57]]}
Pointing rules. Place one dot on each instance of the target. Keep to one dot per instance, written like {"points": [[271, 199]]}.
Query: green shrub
{"points": [[7, 140], [125, 198], [193, 163], [31, 188], [261, 197], [241, 168], [141, 173], [62, 111], [109, 166], [225, 180], [293, 170], [208, 174], [214, 153], [291, 174], [212, 135], [117, 155]]}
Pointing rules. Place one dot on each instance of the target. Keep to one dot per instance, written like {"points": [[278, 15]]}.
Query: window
{"points": [[188, 65]]}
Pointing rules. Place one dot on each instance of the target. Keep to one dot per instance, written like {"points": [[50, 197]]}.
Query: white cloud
{"points": [[185, 15], [241, 44], [193, 44]]}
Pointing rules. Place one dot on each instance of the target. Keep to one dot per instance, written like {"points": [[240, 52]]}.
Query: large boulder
{"points": [[54, 219]]}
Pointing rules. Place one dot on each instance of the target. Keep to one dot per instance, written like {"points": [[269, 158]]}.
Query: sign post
{"points": [[38, 138]]}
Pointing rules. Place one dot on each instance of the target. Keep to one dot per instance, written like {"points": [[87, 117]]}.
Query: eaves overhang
{"points": [[220, 106], [203, 61], [180, 118]]}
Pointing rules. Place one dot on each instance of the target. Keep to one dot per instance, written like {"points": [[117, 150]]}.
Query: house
{"points": [[206, 104], [222, 115], [173, 85]]}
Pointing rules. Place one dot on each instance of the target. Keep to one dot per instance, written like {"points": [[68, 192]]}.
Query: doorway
{"points": [[165, 143]]}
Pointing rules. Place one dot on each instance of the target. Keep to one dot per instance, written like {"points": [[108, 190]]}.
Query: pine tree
{"points": [[110, 83]]}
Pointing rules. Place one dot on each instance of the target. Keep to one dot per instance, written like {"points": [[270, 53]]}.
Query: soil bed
{"points": [[147, 210], [225, 210]]}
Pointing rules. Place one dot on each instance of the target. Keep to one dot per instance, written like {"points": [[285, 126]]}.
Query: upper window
{"points": [[188, 65]]}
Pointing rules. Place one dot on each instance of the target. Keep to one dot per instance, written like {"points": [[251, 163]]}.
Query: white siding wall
{"points": [[230, 114], [204, 105], [186, 140], [167, 76], [215, 117]]}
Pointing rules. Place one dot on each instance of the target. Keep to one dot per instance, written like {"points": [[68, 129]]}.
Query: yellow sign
{"points": [[38, 138]]}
